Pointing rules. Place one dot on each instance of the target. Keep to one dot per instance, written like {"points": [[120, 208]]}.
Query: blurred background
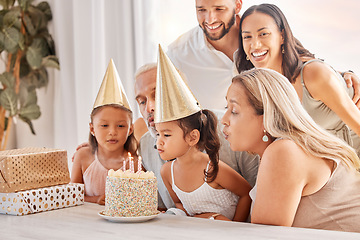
{"points": [[87, 33]]}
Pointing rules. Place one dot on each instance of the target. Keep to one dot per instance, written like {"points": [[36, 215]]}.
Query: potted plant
{"points": [[27, 50]]}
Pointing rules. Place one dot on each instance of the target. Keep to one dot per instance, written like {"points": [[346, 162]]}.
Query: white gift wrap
{"points": [[42, 199]]}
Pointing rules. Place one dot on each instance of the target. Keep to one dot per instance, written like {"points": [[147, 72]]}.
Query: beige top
{"points": [[326, 117], [336, 206], [95, 178]]}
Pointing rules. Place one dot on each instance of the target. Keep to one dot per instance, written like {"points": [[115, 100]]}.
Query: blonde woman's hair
{"points": [[272, 95]]}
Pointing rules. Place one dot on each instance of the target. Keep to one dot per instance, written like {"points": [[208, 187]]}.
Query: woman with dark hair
{"points": [[266, 41]]}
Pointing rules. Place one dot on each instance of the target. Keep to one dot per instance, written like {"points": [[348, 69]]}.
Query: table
{"points": [[83, 222]]}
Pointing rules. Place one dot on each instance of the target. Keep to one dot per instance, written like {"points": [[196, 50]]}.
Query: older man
{"points": [[145, 84]]}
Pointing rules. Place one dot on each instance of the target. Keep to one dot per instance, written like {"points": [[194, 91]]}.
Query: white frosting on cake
{"points": [[128, 174]]}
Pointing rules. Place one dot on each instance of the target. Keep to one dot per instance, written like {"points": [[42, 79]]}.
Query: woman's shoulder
{"points": [[316, 70], [285, 152], [284, 160]]}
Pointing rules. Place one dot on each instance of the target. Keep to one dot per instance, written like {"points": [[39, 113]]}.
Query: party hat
{"points": [[173, 99], [111, 90]]}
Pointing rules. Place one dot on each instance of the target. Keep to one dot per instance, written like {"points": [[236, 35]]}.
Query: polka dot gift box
{"points": [[42, 199], [31, 168]]}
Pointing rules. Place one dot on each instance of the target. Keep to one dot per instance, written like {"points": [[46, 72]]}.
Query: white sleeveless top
{"points": [[206, 199]]}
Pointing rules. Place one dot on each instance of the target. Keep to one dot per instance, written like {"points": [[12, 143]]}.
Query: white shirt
{"points": [[206, 198], [208, 71]]}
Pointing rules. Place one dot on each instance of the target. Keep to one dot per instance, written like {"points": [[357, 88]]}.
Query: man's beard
{"points": [[224, 31]]}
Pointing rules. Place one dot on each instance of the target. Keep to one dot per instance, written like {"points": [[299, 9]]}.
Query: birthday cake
{"points": [[130, 194]]}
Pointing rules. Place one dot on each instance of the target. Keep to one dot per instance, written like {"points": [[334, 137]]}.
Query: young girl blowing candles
{"points": [[198, 182], [111, 139]]}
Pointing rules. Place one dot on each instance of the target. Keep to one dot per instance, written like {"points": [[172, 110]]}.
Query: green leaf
{"points": [[38, 18], [51, 61], [2, 38], [7, 3], [11, 39], [34, 53], [8, 100], [2, 14], [24, 4], [12, 18], [21, 42], [30, 112], [31, 79], [26, 120], [37, 79], [43, 78], [29, 25], [45, 35], [45, 8], [27, 95], [8, 80], [24, 67]]}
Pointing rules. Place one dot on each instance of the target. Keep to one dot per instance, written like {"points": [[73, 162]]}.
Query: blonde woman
{"points": [[307, 177]]}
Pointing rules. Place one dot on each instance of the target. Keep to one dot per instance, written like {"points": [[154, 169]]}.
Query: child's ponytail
{"points": [[209, 139], [206, 122]]}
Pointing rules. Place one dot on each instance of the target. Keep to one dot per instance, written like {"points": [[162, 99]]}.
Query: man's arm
{"points": [[352, 80]]}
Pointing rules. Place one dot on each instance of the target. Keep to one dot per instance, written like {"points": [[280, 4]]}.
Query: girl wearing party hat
{"points": [[111, 138], [198, 182]]}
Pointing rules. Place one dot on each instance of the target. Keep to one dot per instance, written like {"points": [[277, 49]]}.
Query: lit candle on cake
{"points": [[139, 165], [131, 163]]}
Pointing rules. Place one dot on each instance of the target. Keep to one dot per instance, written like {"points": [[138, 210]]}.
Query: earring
{"points": [[247, 57], [282, 49], [93, 134], [265, 137]]}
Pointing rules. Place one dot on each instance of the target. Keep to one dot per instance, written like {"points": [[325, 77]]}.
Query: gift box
{"points": [[42, 199], [31, 168]]}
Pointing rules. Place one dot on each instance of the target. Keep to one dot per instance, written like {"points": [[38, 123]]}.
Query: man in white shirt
{"points": [[205, 53]]}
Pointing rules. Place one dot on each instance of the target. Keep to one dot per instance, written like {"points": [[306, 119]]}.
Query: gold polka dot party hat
{"points": [[173, 99], [111, 90]]}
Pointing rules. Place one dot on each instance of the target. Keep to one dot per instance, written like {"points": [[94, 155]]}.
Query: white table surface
{"points": [[83, 222]]}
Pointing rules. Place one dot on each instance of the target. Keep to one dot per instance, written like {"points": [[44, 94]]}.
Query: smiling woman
{"points": [[266, 41]]}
